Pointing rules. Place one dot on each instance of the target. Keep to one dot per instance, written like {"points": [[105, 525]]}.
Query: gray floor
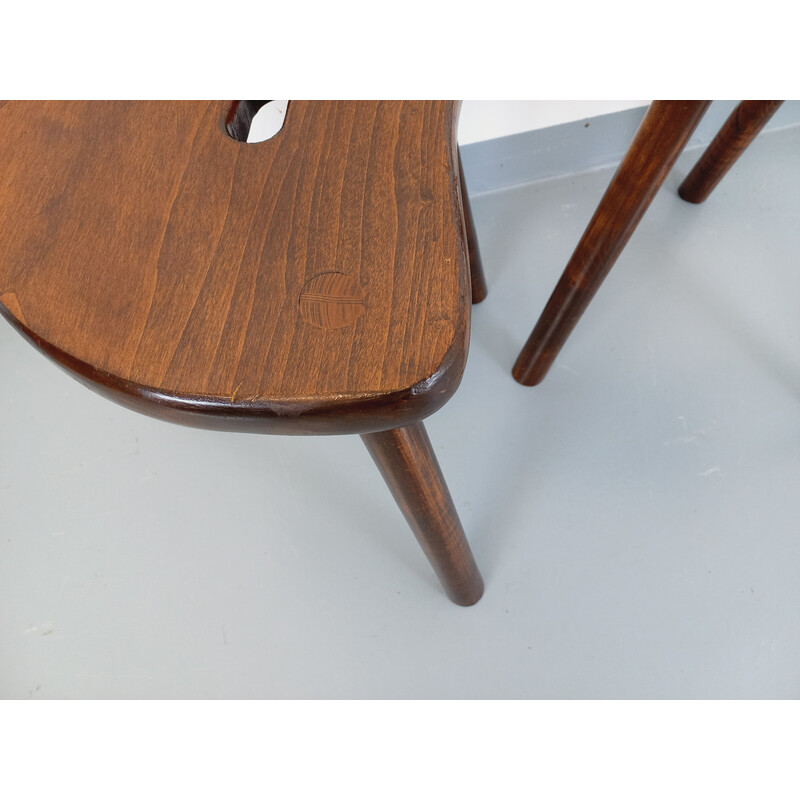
{"points": [[636, 517]]}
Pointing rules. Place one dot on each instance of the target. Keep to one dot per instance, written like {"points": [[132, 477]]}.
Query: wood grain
{"points": [[408, 464], [658, 142], [164, 263], [739, 130], [331, 300]]}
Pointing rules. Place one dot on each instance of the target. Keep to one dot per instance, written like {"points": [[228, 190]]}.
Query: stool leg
{"points": [[658, 142], [741, 127], [479, 288], [408, 464]]}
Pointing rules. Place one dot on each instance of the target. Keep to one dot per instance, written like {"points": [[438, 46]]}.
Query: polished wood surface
{"points": [[316, 282], [658, 142], [739, 130], [408, 464]]}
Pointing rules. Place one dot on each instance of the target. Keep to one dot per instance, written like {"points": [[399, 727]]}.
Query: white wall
{"points": [[482, 119], [489, 119]]}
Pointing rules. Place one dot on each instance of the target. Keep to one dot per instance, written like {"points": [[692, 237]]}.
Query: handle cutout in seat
{"points": [[254, 121]]}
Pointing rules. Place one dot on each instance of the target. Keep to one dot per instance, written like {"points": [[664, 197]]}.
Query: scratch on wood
{"points": [[233, 395]]}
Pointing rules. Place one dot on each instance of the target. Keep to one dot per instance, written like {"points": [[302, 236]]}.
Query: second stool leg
{"points": [[658, 142], [479, 288], [741, 127], [408, 464]]}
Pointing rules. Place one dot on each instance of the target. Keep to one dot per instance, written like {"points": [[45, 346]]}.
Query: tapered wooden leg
{"points": [[741, 127], [479, 288], [408, 464], [658, 142]]}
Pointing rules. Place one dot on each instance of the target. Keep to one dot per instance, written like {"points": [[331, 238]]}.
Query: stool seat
{"points": [[316, 282]]}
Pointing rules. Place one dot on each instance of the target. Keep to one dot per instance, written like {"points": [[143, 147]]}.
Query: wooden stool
{"points": [[658, 142], [314, 283]]}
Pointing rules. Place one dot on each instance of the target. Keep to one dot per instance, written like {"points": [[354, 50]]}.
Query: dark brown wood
{"points": [[658, 142], [408, 464], [477, 275], [177, 269], [739, 130], [317, 282]]}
